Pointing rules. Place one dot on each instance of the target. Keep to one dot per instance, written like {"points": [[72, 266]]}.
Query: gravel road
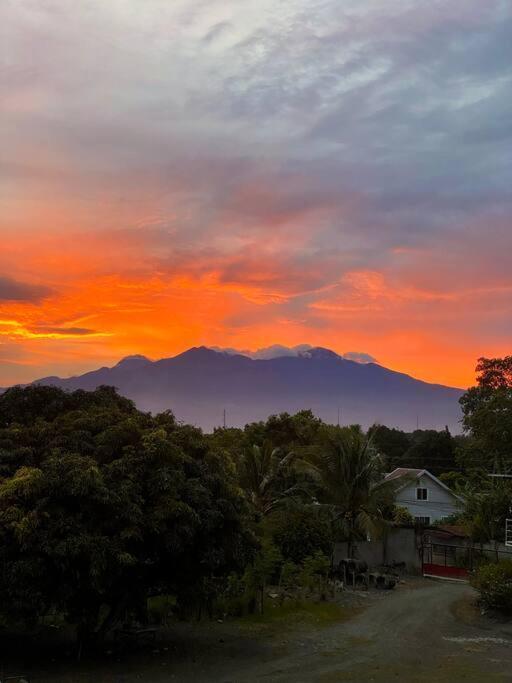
{"points": [[423, 631]]}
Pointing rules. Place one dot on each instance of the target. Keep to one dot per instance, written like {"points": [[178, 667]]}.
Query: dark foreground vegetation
{"points": [[107, 513]]}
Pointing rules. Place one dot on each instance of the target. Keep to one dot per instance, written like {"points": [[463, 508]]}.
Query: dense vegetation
{"points": [[103, 506], [493, 581]]}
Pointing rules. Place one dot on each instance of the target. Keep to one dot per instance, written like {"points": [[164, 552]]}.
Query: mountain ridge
{"points": [[200, 383]]}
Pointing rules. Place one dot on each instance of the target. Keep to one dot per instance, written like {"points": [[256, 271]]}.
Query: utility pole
{"points": [[340, 415], [417, 422], [224, 419]]}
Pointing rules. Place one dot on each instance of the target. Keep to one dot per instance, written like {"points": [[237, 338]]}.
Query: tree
{"points": [[431, 450], [315, 573], [402, 516], [300, 530], [487, 415], [349, 470], [494, 373], [486, 508], [392, 444], [266, 566], [262, 471], [101, 505], [295, 433], [423, 449]]}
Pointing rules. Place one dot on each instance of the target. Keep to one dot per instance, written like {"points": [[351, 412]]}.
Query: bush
{"points": [[301, 531], [402, 516], [494, 584], [160, 609], [314, 573], [289, 579]]}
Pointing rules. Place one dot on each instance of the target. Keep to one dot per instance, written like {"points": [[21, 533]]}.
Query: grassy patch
{"points": [[290, 615], [466, 611], [445, 671], [160, 608]]}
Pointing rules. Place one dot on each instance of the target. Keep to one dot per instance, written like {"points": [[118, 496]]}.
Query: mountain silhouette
{"points": [[199, 384]]}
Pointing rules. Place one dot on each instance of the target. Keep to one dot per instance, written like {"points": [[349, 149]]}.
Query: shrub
{"points": [[494, 584], [289, 579], [301, 531], [160, 608], [315, 572], [402, 516]]}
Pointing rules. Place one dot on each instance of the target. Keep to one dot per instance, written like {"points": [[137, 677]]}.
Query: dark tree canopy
{"points": [[101, 505], [494, 373], [422, 449], [487, 414]]}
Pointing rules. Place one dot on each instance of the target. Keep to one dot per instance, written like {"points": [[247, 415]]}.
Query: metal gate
{"points": [[451, 561], [446, 561]]}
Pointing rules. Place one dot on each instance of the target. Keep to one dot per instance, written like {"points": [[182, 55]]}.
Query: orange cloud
{"points": [[111, 293], [97, 319]]}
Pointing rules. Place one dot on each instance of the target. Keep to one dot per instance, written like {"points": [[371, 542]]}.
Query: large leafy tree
{"points": [[101, 505], [425, 449], [431, 450], [486, 510], [289, 432], [487, 415], [391, 443]]}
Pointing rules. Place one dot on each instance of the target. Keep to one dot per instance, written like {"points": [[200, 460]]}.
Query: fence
{"points": [[453, 561]]}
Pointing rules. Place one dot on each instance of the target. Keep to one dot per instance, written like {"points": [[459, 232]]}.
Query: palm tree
{"points": [[262, 471], [348, 470]]}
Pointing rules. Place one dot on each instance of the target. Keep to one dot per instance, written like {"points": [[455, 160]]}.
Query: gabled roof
{"points": [[452, 530], [409, 473], [404, 472]]}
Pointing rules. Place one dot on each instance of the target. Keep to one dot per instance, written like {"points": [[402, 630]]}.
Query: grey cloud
{"points": [[359, 357], [365, 125], [73, 331], [278, 351], [13, 290]]}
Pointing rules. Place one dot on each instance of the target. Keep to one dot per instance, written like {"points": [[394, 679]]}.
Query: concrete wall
{"points": [[404, 544], [401, 545], [440, 503]]}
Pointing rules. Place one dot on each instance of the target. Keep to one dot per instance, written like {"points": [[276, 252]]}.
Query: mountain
{"points": [[200, 383]]}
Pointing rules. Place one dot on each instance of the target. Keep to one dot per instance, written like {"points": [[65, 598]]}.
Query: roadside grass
{"points": [[160, 608], [297, 614], [466, 611], [445, 671]]}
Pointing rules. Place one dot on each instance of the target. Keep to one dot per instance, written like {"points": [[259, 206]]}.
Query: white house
{"points": [[426, 498]]}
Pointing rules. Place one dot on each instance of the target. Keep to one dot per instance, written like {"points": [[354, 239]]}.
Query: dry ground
{"points": [[423, 631]]}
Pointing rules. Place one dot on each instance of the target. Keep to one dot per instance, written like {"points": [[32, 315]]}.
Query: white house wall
{"points": [[440, 503]]}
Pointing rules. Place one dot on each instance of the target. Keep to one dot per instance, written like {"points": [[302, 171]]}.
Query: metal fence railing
{"points": [[466, 557]]}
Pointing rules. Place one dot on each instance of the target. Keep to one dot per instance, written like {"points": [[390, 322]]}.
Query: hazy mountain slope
{"points": [[199, 384]]}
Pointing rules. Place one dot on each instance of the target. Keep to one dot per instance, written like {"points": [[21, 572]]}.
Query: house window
{"points": [[421, 494], [422, 521]]}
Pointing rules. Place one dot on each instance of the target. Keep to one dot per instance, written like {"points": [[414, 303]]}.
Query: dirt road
{"points": [[419, 634], [423, 631]]}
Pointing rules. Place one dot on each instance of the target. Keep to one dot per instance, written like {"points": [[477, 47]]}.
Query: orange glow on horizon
{"points": [[101, 309]]}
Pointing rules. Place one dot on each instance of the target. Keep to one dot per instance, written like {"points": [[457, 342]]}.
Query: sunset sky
{"points": [[243, 173]]}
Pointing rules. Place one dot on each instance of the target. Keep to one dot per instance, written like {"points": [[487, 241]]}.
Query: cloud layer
{"points": [[278, 351], [245, 174], [13, 290]]}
